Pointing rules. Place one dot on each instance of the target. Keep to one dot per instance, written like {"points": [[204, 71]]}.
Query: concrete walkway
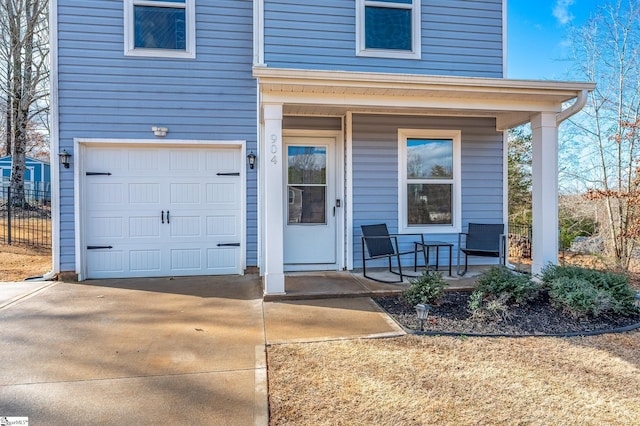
{"points": [[152, 351], [165, 350]]}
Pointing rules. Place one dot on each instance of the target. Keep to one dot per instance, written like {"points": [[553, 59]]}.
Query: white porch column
{"points": [[273, 224], [545, 190]]}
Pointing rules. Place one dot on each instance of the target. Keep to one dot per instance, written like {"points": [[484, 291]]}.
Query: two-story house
{"points": [[355, 111]]}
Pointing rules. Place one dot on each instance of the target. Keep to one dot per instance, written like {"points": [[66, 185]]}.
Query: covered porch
{"points": [[346, 96]]}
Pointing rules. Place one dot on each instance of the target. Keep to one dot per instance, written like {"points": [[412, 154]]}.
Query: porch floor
{"points": [[337, 284]]}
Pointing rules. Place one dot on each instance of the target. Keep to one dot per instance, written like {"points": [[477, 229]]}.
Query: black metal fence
{"points": [[29, 223], [520, 241]]}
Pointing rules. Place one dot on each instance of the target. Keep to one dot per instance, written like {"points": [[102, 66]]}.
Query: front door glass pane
{"points": [[306, 184]]}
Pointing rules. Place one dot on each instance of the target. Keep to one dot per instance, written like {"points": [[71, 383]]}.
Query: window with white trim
{"points": [[160, 28], [429, 191], [388, 28]]}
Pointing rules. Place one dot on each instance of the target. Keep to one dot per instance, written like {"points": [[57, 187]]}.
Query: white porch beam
{"points": [[545, 190], [273, 222]]}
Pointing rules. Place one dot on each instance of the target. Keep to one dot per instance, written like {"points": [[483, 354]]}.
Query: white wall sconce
{"points": [[64, 158], [160, 131], [252, 160]]}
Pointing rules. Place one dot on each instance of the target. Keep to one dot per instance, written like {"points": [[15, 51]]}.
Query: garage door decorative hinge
{"points": [[228, 174], [229, 245], [98, 247], [98, 174]]}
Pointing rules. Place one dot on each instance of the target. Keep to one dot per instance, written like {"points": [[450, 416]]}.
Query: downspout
{"points": [[580, 102]]}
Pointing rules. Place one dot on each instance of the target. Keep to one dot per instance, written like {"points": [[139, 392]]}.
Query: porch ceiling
{"points": [[511, 102]]}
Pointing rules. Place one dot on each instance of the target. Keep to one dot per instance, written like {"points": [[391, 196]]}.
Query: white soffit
{"points": [[332, 91]]}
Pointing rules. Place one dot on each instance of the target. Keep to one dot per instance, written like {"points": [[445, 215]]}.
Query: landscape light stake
{"points": [[422, 310]]}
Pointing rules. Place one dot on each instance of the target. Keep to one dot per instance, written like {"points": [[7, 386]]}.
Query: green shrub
{"points": [[579, 297], [497, 289], [499, 281], [427, 288], [608, 291]]}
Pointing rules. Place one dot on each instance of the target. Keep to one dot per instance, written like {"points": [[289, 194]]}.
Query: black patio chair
{"points": [[382, 245], [481, 239]]}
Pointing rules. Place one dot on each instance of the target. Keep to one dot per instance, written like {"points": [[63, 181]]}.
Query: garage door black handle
{"points": [[228, 174], [229, 245], [162, 216], [98, 247]]}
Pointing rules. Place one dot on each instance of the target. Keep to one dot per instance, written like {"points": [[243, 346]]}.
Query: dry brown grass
{"points": [[455, 381], [19, 262]]}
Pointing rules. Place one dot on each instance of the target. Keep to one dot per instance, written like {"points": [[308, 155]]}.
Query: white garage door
{"points": [[162, 211]]}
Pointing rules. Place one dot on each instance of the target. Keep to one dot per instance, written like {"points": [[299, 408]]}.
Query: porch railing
{"points": [[520, 240]]}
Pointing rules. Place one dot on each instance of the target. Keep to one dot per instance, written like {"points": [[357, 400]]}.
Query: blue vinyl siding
{"points": [[459, 38], [375, 171], [105, 94]]}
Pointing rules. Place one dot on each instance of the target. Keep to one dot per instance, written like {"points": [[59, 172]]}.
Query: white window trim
{"points": [[129, 33], [416, 42], [456, 222]]}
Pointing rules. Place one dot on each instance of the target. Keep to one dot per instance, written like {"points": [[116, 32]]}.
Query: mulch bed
{"points": [[536, 318]]}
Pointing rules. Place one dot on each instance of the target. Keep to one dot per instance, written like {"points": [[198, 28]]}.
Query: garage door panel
{"points": [[105, 261], [186, 259], [223, 226], [185, 226], [223, 195], [144, 227], [106, 160], [104, 194], [145, 261], [222, 161], [186, 161], [125, 210], [222, 258], [105, 227], [185, 193], [144, 193], [144, 161]]}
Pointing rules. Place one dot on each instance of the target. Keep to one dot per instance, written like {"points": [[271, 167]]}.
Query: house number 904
{"points": [[274, 149]]}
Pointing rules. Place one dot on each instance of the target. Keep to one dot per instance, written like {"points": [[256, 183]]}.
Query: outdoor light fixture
{"points": [[422, 310], [64, 158], [252, 160], [160, 131]]}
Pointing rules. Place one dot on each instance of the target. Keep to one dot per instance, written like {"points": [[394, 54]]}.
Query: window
{"points": [[160, 28], [429, 179], [388, 28]]}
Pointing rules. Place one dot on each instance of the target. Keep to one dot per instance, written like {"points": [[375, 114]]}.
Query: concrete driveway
{"points": [[151, 351]]}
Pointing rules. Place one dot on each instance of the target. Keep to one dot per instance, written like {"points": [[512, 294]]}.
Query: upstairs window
{"points": [[160, 28], [388, 28]]}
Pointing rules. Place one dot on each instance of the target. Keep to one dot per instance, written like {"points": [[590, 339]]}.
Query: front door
{"points": [[310, 232]]}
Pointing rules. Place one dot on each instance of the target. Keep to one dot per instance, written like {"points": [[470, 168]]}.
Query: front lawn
{"points": [[416, 380]]}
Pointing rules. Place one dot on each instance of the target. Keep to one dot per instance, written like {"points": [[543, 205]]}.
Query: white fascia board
{"points": [[408, 81], [258, 33], [505, 40], [54, 137]]}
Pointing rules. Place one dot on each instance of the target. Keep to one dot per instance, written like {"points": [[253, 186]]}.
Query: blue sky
{"points": [[537, 36]]}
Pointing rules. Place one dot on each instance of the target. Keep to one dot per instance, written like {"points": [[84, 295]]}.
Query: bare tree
{"points": [[607, 51], [25, 73]]}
